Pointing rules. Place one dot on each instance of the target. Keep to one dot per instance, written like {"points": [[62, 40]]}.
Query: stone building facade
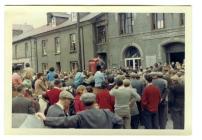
{"points": [[121, 39]]}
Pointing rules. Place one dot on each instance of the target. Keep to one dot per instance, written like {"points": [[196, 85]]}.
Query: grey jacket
{"points": [[89, 118], [22, 105], [55, 111], [138, 85]]}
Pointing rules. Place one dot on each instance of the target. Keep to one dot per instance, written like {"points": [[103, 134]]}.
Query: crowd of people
{"points": [[109, 98]]}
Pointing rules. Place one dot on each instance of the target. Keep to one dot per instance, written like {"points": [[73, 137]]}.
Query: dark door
{"points": [[177, 57], [58, 67]]}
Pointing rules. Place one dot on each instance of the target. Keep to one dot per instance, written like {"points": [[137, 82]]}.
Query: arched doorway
{"points": [[132, 58], [175, 52]]}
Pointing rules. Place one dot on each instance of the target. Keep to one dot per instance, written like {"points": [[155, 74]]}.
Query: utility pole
{"points": [[79, 41]]}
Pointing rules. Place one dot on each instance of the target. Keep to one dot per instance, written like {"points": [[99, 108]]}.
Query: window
{"points": [[158, 21], [74, 16], [126, 23], [74, 65], [182, 19], [72, 42], [57, 45], [101, 34], [15, 51], [53, 21], [44, 67], [43, 43], [26, 50]]}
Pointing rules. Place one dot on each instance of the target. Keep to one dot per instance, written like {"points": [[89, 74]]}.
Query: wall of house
{"points": [[147, 41], [20, 57], [65, 57]]}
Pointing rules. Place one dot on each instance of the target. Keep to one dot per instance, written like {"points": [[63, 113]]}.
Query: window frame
{"points": [[57, 44], [44, 46], [71, 43], [126, 23], [155, 20], [103, 34], [71, 65], [182, 19]]}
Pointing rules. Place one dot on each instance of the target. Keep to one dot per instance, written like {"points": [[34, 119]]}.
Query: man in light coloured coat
{"points": [[123, 97]]}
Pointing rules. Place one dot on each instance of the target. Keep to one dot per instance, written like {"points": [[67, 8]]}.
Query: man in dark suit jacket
{"points": [[60, 108], [20, 104], [89, 118]]}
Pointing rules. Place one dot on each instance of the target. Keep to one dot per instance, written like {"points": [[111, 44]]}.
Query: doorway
{"points": [[132, 58], [58, 67], [177, 57], [175, 52], [133, 63]]}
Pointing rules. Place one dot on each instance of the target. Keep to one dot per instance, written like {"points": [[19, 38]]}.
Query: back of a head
{"points": [[98, 67], [39, 75], [110, 79], [52, 69], [56, 76], [89, 89], [88, 99], [103, 85], [57, 82], [27, 65], [65, 95], [148, 78], [126, 82], [20, 89], [80, 89], [119, 82]]}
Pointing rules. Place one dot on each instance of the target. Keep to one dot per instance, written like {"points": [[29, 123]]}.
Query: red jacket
{"points": [[78, 104], [105, 100], [150, 98], [53, 95]]}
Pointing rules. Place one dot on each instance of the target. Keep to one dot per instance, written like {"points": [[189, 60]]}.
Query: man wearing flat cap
{"points": [[161, 84], [60, 109], [176, 102], [91, 117]]}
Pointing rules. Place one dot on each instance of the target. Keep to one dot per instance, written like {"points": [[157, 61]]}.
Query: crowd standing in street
{"points": [[108, 98]]}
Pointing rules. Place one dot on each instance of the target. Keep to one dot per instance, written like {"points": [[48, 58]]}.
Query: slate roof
{"points": [[47, 28]]}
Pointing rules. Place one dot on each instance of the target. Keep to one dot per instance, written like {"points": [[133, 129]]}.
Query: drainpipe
{"points": [[37, 68], [79, 41], [83, 47], [31, 52]]}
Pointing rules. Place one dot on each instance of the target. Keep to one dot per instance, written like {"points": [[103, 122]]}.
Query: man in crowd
{"points": [[28, 72], [16, 78], [176, 102], [161, 84], [40, 86], [53, 95], [122, 100], [78, 79], [60, 109], [150, 102], [99, 77], [104, 99], [139, 85], [51, 74], [20, 104], [133, 106], [87, 118]]}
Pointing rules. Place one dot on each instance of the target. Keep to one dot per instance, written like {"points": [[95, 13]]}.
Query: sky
{"points": [[35, 19]]}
